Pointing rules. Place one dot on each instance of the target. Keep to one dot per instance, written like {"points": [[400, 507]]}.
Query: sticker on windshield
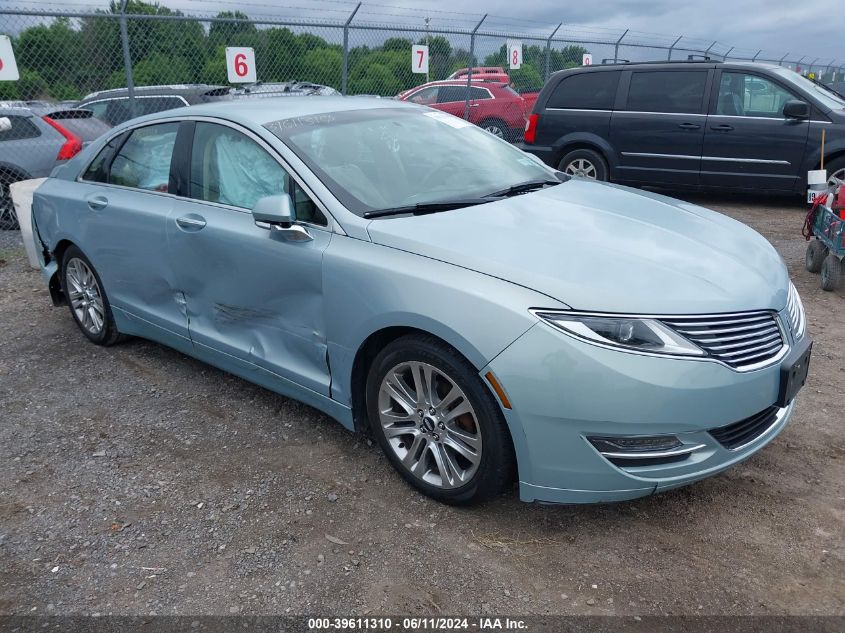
{"points": [[448, 119]]}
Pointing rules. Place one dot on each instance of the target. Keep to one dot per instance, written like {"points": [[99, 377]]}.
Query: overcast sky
{"points": [[805, 27]]}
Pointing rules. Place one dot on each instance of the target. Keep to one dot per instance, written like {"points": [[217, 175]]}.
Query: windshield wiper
{"points": [[421, 208], [523, 187]]}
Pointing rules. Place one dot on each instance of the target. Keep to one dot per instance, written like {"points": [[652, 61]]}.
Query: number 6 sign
{"points": [[419, 58], [8, 66], [240, 64], [515, 55]]}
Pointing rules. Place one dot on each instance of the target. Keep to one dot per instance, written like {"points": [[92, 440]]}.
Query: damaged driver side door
{"points": [[254, 297]]}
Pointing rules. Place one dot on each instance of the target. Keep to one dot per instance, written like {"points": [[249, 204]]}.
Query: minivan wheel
{"points": [[584, 163], [836, 171], [813, 258], [89, 305], [437, 422]]}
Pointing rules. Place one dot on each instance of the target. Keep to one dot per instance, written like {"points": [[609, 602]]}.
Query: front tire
{"points": [[89, 305], [437, 422]]}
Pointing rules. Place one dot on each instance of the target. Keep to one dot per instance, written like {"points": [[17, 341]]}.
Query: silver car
{"points": [[412, 276]]}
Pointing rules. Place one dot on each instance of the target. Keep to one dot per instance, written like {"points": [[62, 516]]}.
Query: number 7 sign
{"points": [[240, 64], [419, 58], [8, 66]]}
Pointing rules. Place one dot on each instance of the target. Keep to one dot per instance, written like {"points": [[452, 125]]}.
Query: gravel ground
{"points": [[136, 480]]}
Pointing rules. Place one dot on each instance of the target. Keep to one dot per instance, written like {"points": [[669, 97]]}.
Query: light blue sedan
{"points": [[484, 317]]}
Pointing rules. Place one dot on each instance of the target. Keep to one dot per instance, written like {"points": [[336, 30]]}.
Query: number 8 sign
{"points": [[240, 64], [8, 66], [515, 55]]}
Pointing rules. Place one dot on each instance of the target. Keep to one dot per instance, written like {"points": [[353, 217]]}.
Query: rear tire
{"points": [[816, 252], [585, 163], [496, 127], [835, 170], [8, 217], [437, 422], [831, 272], [87, 300]]}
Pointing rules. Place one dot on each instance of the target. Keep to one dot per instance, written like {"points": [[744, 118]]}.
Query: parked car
{"points": [[284, 89], [113, 106], [497, 73], [356, 255], [729, 125], [36, 139], [493, 105]]}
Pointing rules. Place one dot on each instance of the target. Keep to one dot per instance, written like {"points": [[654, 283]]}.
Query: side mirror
{"points": [[795, 109], [5, 124], [278, 212]]}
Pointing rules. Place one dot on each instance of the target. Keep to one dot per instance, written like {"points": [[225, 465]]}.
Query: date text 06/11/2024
{"points": [[416, 624]]}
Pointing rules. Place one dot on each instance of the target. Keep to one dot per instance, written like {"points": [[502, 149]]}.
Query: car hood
{"points": [[604, 248]]}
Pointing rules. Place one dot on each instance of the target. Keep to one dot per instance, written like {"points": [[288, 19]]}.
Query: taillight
{"points": [[531, 129], [72, 145]]}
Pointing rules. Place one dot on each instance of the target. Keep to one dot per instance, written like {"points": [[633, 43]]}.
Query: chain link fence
{"points": [[155, 57]]}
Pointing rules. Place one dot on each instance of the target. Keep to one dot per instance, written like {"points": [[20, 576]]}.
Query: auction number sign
{"points": [[586, 59], [514, 55], [419, 59], [240, 64], [8, 65]]}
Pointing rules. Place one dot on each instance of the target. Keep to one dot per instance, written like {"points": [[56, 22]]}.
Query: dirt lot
{"points": [[137, 480]]}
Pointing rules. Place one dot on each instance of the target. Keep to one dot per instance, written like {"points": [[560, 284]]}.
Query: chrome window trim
{"points": [[724, 116], [762, 161], [332, 224], [784, 350]]}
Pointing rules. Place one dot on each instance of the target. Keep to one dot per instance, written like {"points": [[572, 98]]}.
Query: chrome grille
{"points": [[739, 340], [795, 309]]}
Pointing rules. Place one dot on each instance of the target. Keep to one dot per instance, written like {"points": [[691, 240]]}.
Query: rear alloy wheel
{"points": [[584, 163], [495, 127], [8, 217], [831, 272], [89, 305], [836, 172], [437, 422]]}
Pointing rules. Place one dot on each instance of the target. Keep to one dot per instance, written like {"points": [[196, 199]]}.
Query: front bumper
{"points": [[563, 389]]}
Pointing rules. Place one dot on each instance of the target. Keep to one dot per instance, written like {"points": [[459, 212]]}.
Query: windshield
{"points": [[823, 94], [384, 158]]}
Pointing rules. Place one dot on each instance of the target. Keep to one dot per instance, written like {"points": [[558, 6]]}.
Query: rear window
{"points": [[586, 91], [21, 129], [680, 91]]}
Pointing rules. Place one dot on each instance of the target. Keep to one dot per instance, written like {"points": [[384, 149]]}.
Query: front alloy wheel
{"points": [[581, 167], [88, 302], [430, 424]]}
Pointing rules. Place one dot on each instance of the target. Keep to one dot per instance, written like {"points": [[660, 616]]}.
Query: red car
{"points": [[493, 105]]}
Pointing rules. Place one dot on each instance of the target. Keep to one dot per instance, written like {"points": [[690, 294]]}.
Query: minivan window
{"points": [[586, 91], [741, 94], [671, 91], [805, 85]]}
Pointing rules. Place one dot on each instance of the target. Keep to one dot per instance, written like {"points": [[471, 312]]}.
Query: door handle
{"points": [[689, 126], [190, 224], [722, 127], [473, 105], [98, 202]]}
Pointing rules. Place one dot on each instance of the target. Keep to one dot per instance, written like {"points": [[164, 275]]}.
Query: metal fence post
{"points": [[344, 73], [127, 58], [707, 52], [780, 63], [469, 68], [616, 48], [548, 51], [725, 56], [669, 56], [754, 59]]}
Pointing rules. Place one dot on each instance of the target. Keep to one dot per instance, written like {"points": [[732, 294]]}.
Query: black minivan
{"points": [[694, 123]]}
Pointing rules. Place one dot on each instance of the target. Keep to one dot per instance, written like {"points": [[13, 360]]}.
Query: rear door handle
{"points": [[98, 202], [689, 126], [190, 222], [722, 127]]}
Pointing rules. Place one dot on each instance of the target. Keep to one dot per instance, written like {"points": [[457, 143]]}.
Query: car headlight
{"points": [[633, 333]]}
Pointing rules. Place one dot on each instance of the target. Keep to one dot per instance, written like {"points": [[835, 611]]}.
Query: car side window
{"points": [[452, 94], [586, 91], [230, 168], [479, 94], [97, 107], [21, 129], [741, 94], [144, 160], [671, 91], [426, 96], [98, 169], [151, 105]]}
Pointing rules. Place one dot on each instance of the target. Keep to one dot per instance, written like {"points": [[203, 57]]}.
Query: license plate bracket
{"points": [[793, 372]]}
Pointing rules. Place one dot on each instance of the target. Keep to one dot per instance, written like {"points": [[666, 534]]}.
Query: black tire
{"points": [[496, 127], [813, 258], [831, 272], [572, 162], [107, 335], [496, 466], [836, 167], [8, 217]]}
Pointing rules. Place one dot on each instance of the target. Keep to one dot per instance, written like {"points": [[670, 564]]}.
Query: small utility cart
{"points": [[825, 230]]}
